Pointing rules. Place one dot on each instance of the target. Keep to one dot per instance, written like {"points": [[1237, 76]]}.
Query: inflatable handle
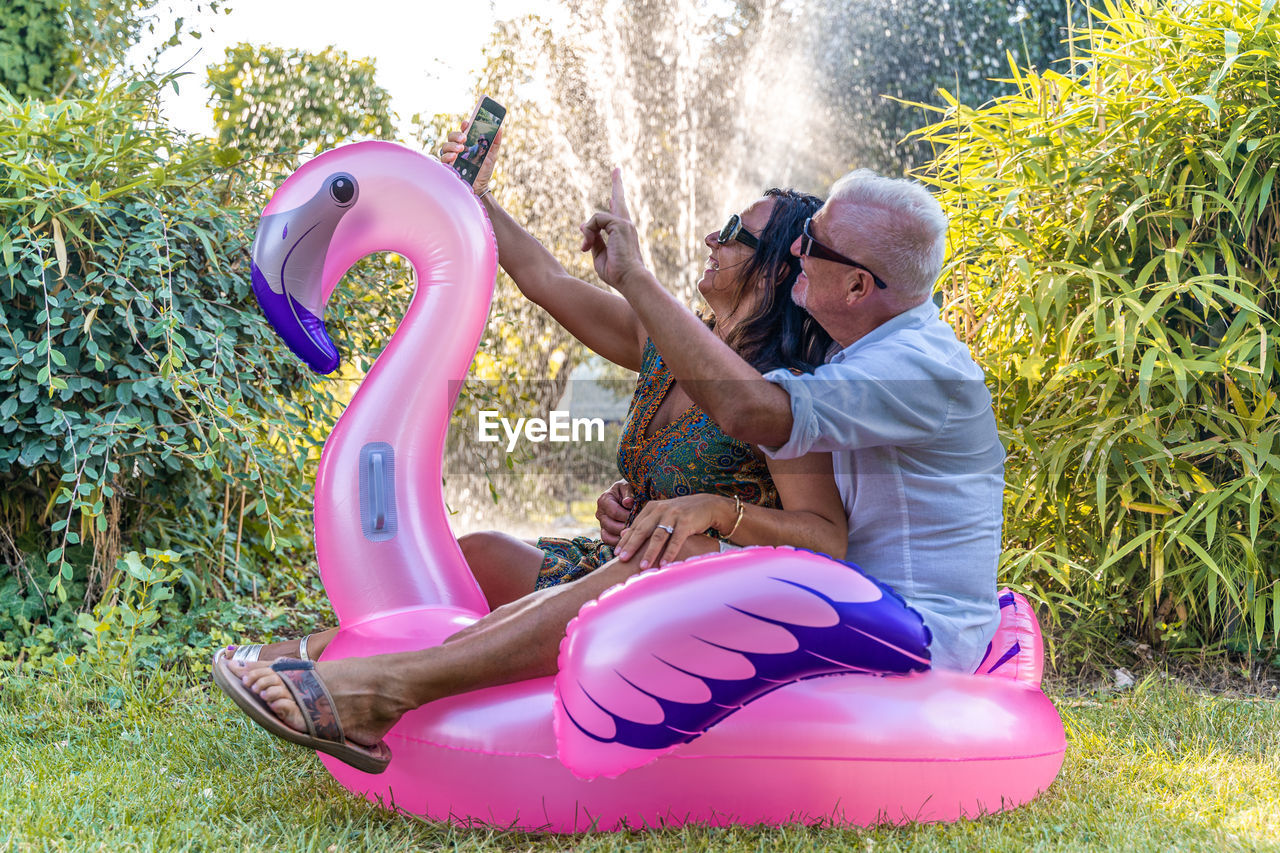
{"points": [[656, 661]]}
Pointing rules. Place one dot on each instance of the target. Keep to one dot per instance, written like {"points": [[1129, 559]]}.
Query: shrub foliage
{"points": [[143, 401], [52, 48], [1114, 264], [277, 100]]}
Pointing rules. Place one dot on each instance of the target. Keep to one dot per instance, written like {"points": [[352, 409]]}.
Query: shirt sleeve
{"points": [[848, 406]]}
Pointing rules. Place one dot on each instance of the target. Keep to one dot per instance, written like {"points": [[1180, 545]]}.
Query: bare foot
{"points": [[366, 710], [292, 648]]}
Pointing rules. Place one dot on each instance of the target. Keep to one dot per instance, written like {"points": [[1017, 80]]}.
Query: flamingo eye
{"points": [[343, 189]]}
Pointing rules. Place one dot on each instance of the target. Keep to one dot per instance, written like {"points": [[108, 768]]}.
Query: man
{"points": [[902, 407]]}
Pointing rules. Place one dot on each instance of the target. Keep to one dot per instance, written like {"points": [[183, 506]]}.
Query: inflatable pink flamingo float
{"points": [[686, 694]]}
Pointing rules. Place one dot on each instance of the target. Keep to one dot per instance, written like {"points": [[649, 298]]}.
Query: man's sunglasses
{"points": [[811, 248], [733, 230]]}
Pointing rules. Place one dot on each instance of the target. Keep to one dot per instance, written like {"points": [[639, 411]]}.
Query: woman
{"points": [[672, 455]]}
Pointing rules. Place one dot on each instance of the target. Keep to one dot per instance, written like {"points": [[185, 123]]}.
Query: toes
{"points": [[273, 693], [240, 669], [271, 689], [251, 672], [260, 681], [288, 713]]}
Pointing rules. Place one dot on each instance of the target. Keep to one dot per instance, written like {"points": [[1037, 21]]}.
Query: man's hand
{"points": [[455, 143], [613, 241], [613, 511]]}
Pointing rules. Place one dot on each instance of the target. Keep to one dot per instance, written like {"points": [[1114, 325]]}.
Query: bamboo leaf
{"points": [[1211, 102], [1237, 400], [1157, 569], [1154, 509], [1264, 194], [1275, 612], [1264, 12], [1255, 508], [1212, 585], [1231, 48], [60, 249], [1144, 375], [1259, 618]]}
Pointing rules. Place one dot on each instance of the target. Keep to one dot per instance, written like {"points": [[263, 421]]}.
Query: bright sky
{"points": [[426, 50]]}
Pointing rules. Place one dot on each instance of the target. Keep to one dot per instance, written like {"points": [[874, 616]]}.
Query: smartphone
{"points": [[485, 122]]}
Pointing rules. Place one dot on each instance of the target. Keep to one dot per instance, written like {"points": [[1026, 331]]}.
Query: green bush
{"points": [[1114, 261], [53, 48], [283, 101], [144, 403]]}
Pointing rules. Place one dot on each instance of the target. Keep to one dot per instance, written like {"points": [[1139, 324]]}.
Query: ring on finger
{"points": [[667, 527]]}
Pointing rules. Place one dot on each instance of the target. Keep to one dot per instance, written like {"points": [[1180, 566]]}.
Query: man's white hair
{"points": [[893, 225]]}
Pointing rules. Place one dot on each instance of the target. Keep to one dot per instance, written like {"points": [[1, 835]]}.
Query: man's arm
{"points": [[735, 395], [731, 391]]}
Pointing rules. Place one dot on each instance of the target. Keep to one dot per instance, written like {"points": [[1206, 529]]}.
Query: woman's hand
{"points": [[662, 527], [613, 240], [454, 145], [613, 511]]}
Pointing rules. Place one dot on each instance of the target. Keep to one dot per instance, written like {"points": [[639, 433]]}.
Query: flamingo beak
{"points": [[287, 266]]}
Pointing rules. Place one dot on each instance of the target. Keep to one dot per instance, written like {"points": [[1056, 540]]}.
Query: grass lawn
{"points": [[170, 765]]}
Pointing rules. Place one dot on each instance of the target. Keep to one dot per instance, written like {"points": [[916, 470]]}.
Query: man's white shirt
{"points": [[906, 414]]}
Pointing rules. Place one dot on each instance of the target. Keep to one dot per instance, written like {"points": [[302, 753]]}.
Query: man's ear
{"points": [[857, 285]]}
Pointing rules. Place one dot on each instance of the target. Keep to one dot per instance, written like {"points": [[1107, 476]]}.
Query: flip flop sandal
{"points": [[250, 654], [324, 731]]}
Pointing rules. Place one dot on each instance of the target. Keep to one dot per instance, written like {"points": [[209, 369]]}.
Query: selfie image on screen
{"points": [[479, 137]]}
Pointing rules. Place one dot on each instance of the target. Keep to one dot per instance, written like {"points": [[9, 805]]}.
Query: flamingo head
{"points": [[288, 262], [367, 197]]}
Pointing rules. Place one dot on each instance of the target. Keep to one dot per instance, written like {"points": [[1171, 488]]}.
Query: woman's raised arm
{"points": [[601, 320]]}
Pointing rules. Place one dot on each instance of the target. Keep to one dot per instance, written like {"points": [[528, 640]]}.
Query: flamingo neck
{"points": [[383, 541]]}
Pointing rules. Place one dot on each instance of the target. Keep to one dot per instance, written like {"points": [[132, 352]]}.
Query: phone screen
{"points": [[484, 127]]}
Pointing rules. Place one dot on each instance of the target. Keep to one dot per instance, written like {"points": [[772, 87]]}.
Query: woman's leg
{"points": [[505, 567], [316, 644], [514, 642]]}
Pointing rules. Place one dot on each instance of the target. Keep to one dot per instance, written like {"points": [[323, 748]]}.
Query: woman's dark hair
{"points": [[779, 333]]}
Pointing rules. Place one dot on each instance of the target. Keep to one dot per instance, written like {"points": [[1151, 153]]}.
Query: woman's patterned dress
{"points": [[687, 456]]}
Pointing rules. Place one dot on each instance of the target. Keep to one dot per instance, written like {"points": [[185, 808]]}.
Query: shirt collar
{"points": [[912, 317]]}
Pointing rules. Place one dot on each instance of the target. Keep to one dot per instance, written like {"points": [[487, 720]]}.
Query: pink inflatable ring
{"points": [[686, 694]]}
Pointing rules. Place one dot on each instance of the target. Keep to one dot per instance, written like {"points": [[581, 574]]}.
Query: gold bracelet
{"points": [[737, 502]]}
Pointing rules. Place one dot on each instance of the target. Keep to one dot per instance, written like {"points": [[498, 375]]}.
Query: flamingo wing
{"points": [[658, 660]]}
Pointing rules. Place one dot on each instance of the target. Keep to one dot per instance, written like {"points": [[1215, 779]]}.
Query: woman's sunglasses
{"points": [[811, 248], [733, 230]]}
